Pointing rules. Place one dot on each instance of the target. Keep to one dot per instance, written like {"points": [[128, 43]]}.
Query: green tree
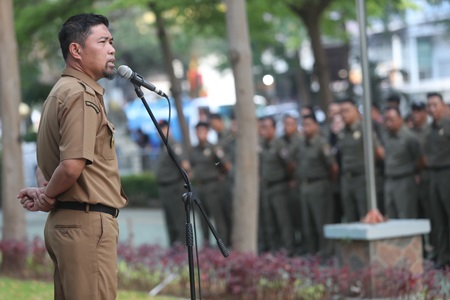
{"points": [[13, 262], [37, 25]]}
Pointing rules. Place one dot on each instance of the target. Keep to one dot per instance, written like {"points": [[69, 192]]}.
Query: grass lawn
{"points": [[39, 290]]}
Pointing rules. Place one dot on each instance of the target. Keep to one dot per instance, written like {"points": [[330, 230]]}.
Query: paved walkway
{"points": [[142, 226]]}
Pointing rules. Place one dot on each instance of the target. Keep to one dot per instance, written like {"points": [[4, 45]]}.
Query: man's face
{"points": [[267, 130], [418, 117], [349, 113], [164, 129], [309, 127], [202, 134], [436, 107], [333, 109], [392, 121], [290, 126], [216, 124], [97, 54]]}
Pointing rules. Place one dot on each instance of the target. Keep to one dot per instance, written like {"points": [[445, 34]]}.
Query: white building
{"points": [[417, 44]]}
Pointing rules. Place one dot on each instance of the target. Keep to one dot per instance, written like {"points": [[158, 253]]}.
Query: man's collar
{"points": [[85, 78]]}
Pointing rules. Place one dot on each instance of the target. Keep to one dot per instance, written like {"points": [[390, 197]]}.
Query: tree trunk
{"points": [[310, 13], [245, 200], [312, 23], [174, 82], [14, 234], [303, 88]]}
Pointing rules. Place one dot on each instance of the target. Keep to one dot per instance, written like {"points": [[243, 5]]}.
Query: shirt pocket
{"points": [[108, 152]]}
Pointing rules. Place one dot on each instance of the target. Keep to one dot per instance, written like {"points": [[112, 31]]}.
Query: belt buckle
{"points": [[116, 214]]}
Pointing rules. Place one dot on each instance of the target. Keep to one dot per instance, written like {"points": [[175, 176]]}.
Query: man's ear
{"points": [[74, 50]]}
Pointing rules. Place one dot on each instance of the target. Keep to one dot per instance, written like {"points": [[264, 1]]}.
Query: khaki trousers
{"points": [[83, 247]]}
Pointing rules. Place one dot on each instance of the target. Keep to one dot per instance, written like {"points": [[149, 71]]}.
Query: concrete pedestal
{"points": [[395, 243]]}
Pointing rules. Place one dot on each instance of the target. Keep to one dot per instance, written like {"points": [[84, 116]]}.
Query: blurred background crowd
{"points": [[306, 69]]}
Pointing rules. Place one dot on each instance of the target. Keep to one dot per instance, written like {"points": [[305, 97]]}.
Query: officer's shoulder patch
{"points": [[326, 149], [219, 152], [87, 88], [178, 150], [93, 105], [284, 152]]}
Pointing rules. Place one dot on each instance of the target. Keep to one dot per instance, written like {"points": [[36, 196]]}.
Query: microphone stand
{"points": [[188, 198]]}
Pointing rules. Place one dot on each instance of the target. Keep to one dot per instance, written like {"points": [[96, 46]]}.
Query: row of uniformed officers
{"points": [[317, 176]]}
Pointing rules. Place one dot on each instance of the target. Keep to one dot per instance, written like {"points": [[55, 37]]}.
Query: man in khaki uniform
{"points": [[403, 159], [77, 167], [437, 153], [171, 187], [316, 167], [275, 173], [290, 139], [353, 180], [207, 162], [420, 128], [225, 142]]}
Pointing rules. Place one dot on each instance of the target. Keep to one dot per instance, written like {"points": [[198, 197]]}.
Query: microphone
{"points": [[135, 78]]}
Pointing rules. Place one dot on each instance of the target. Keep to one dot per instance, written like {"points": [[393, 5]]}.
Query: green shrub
{"points": [[30, 136], [141, 189]]}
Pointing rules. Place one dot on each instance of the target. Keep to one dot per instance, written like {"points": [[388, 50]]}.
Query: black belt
{"points": [[351, 174], [272, 183], [400, 176], [440, 168], [88, 207], [311, 180], [208, 180]]}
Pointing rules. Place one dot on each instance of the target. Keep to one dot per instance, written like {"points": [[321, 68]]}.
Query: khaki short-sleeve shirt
{"points": [[74, 125]]}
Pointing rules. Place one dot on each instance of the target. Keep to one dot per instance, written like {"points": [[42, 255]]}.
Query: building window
{"points": [[425, 59]]}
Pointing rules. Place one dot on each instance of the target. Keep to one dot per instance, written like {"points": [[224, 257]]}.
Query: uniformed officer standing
{"points": [[171, 187], [403, 160], [77, 167], [420, 128], [276, 168], [353, 181], [334, 125], [315, 167], [437, 154], [291, 138], [225, 142], [206, 165]]}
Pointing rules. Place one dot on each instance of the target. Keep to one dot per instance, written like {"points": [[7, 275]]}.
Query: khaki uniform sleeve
{"points": [[78, 127]]}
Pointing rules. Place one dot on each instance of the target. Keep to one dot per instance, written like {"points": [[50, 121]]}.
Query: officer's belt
{"points": [[352, 174], [275, 182], [400, 176], [311, 180], [88, 207], [439, 168], [208, 180]]}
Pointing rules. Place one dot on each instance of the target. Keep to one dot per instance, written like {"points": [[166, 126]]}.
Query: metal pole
{"points": [[367, 122]]}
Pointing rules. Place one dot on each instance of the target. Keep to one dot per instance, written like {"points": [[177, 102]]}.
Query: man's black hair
{"points": [[394, 109], [347, 100], [215, 116], [435, 94], [77, 28], [202, 124], [272, 120], [418, 105], [393, 98], [311, 117]]}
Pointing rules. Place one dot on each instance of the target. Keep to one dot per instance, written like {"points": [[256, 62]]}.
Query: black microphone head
{"points": [[125, 72]]}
